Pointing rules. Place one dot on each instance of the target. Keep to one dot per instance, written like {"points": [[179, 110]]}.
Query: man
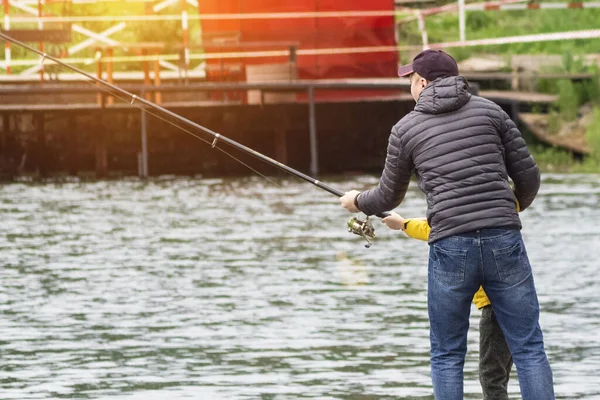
{"points": [[495, 360], [463, 149]]}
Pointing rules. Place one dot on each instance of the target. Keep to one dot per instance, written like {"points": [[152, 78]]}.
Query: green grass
{"points": [[571, 97], [553, 159], [494, 24]]}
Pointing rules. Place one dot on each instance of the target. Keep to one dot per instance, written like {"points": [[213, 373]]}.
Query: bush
{"points": [[568, 99], [552, 159], [478, 20]]}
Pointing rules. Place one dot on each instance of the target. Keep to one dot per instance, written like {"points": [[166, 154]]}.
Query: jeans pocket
{"points": [[512, 262], [448, 265]]}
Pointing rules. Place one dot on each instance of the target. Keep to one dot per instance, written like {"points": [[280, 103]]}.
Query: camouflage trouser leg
{"points": [[495, 360]]}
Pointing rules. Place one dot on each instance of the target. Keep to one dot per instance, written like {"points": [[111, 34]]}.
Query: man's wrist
{"points": [[356, 202]]}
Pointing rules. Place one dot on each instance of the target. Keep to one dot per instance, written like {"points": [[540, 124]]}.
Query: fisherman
{"points": [[495, 360], [463, 149]]}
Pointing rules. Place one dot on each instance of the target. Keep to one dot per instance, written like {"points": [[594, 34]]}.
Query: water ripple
{"points": [[237, 289]]}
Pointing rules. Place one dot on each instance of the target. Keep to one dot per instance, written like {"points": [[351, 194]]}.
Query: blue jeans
{"points": [[497, 260]]}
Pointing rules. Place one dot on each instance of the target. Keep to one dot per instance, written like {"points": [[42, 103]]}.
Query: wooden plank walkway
{"points": [[116, 106], [398, 89], [497, 96]]}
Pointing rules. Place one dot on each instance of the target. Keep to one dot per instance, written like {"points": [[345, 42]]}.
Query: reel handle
{"points": [[364, 228]]}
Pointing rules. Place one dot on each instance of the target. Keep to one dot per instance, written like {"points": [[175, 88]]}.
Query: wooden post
{"points": [[3, 133], [281, 153], [143, 161], [293, 61], [515, 78], [73, 152], [157, 94], [109, 73], [146, 66], [99, 97], [41, 151], [100, 143], [101, 154], [312, 124]]}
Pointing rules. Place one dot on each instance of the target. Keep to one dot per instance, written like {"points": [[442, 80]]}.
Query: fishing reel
{"points": [[362, 228]]}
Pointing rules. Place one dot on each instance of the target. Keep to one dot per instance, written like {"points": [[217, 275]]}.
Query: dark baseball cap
{"points": [[431, 64]]}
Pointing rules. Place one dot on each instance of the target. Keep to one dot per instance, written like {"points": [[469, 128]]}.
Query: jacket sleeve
{"points": [[520, 165], [393, 183], [417, 228]]}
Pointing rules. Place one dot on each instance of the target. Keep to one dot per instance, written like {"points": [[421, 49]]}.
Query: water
{"points": [[238, 289]]}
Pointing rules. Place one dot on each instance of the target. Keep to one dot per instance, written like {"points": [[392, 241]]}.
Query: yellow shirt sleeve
{"points": [[417, 228]]}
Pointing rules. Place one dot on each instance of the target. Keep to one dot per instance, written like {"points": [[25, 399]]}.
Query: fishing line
{"points": [[135, 100], [151, 111], [211, 144], [359, 227]]}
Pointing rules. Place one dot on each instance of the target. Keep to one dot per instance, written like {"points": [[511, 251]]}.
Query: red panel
{"points": [[214, 33], [300, 32], [356, 32], [221, 27], [310, 33]]}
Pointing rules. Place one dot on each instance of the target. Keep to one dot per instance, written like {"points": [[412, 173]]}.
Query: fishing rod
{"points": [[363, 228]]}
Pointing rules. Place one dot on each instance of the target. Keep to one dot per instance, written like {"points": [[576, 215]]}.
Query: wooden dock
{"points": [[389, 87], [99, 107], [91, 133]]}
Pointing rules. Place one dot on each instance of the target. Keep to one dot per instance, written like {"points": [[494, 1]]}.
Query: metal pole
{"points": [[312, 121], [461, 19], [144, 169]]}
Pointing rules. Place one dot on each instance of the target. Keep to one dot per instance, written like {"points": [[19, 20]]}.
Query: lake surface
{"points": [[183, 288]]}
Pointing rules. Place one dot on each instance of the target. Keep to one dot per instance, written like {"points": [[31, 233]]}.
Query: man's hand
{"points": [[394, 221], [348, 199]]}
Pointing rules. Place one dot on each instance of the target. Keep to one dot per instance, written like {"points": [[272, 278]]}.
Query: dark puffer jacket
{"points": [[463, 149]]}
